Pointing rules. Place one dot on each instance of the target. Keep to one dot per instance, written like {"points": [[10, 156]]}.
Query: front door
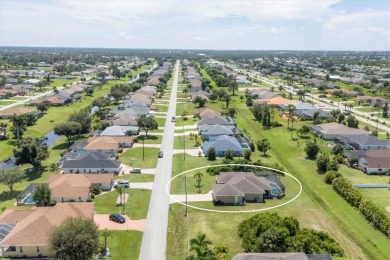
{"points": [[236, 199]]}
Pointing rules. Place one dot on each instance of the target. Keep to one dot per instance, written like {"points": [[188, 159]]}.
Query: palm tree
{"points": [[198, 177], [201, 247], [106, 233], [3, 128], [19, 123], [291, 110], [195, 135], [227, 99]]}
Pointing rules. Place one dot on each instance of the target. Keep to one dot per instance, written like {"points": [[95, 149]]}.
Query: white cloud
{"points": [[187, 23]]}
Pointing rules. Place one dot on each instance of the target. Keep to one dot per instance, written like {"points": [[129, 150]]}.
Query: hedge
{"points": [[370, 211]]}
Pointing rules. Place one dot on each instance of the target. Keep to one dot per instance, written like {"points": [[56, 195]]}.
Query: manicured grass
{"points": [[379, 196], [133, 157], [136, 177], [190, 121], [61, 82], [123, 244], [136, 206], [160, 121], [189, 142], [160, 107], [149, 139], [6, 102]]}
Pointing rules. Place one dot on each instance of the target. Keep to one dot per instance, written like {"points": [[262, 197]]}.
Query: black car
{"points": [[117, 218], [160, 154]]}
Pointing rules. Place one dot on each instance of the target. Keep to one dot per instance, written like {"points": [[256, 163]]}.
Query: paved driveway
{"points": [[103, 222], [192, 197]]}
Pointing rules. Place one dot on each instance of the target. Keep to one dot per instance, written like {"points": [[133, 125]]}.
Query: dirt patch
{"points": [[388, 208], [102, 220]]}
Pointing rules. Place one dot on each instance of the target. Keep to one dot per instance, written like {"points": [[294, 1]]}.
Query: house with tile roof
{"points": [[375, 162], [117, 130], [26, 232], [91, 162], [207, 113], [363, 142], [19, 111], [241, 187], [223, 143], [76, 187], [212, 132], [330, 131]]}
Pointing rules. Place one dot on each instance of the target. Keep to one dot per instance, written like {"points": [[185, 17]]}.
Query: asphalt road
{"points": [[154, 240]]}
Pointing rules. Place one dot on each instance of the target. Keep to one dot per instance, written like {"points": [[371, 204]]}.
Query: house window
{"points": [[379, 170]]}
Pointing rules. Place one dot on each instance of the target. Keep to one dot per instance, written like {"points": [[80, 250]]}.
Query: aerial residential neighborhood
{"points": [[247, 130]]}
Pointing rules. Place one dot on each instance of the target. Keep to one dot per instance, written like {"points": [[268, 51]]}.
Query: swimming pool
{"points": [[79, 151], [28, 199]]}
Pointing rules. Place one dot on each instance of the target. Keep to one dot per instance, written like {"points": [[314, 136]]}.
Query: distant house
{"points": [[134, 110], [25, 232], [309, 113], [117, 130], [375, 162], [363, 142], [19, 111], [330, 131], [223, 143], [240, 187], [261, 93], [91, 162], [49, 101], [207, 113], [124, 120], [216, 120], [212, 132], [105, 144]]}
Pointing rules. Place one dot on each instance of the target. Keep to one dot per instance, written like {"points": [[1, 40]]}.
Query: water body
{"points": [[49, 139]]}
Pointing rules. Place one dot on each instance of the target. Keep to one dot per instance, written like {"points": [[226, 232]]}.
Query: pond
{"points": [[50, 139]]}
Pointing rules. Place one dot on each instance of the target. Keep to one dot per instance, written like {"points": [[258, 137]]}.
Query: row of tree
{"points": [[369, 210]]}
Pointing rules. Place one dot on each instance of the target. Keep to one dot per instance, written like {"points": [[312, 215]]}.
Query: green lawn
{"points": [[160, 121], [190, 121], [380, 196], [6, 102], [117, 240], [136, 206], [61, 82], [149, 139], [189, 142], [136, 177], [133, 157], [160, 107]]}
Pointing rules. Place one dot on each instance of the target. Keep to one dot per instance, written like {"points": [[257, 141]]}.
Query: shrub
{"points": [[212, 154], [52, 203], [322, 163], [330, 176], [312, 149], [120, 150]]}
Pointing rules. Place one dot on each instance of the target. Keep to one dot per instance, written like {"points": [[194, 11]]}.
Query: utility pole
{"points": [[143, 148]]}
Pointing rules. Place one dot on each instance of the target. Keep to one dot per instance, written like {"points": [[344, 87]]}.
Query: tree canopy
{"points": [[75, 238], [147, 123], [68, 129], [30, 150], [42, 195], [11, 176], [268, 232]]}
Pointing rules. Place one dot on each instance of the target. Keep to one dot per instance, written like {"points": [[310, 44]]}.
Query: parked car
{"points": [[117, 218], [124, 183], [136, 170], [173, 119], [160, 154]]}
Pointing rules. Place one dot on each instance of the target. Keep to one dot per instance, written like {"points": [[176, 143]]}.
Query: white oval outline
{"points": [[234, 211]]}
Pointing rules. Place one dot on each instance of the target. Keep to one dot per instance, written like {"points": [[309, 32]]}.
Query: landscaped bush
{"points": [[370, 211], [120, 150], [52, 203], [330, 175]]}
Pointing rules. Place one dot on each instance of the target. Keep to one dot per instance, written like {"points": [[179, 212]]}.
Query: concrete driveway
{"points": [[192, 197], [102, 220]]}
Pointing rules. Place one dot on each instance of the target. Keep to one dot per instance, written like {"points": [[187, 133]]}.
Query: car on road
{"points": [[173, 119], [117, 218], [136, 170], [160, 154]]}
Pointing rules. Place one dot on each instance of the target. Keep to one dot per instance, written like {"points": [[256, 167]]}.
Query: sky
{"points": [[361, 25]]}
